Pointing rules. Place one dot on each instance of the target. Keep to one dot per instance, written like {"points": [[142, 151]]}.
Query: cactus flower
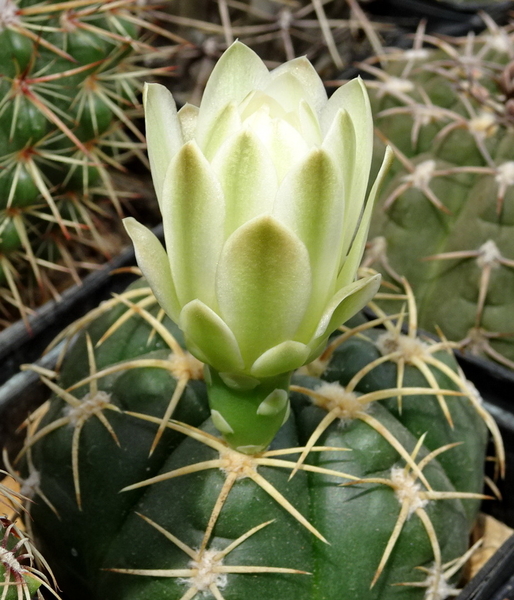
{"points": [[262, 191]]}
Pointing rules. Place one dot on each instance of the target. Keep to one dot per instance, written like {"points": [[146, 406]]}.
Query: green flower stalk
{"points": [[262, 190]]}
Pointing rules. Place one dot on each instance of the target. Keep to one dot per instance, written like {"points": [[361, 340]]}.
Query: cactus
{"points": [[445, 219], [69, 82], [20, 575], [368, 491]]}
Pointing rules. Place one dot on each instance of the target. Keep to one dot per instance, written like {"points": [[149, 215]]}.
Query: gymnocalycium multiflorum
{"points": [[262, 191]]}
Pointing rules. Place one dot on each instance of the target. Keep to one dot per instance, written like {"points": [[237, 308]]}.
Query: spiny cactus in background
{"points": [[69, 83], [332, 34], [135, 495], [20, 562], [446, 219]]}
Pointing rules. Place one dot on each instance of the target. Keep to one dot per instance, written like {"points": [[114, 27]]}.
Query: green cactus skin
{"points": [[464, 463], [197, 519], [69, 82], [445, 220]]}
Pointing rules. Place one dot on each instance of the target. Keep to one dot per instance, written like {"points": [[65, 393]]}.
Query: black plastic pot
{"points": [[21, 392], [18, 398], [448, 17], [20, 343], [496, 386], [495, 581]]}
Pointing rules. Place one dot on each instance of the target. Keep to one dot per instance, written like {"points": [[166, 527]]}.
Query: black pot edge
{"points": [[494, 580], [446, 9], [19, 344], [494, 381], [444, 17], [19, 397]]}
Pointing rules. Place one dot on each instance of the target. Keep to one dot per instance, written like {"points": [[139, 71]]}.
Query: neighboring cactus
{"points": [[445, 219], [385, 441], [19, 576], [69, 85]]}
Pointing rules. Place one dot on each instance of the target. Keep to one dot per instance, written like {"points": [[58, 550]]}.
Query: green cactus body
{"points": [[132, 505], [445, 219], [69, 82]]}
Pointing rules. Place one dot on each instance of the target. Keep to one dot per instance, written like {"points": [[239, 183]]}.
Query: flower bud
{"points": [[262, 191]]}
